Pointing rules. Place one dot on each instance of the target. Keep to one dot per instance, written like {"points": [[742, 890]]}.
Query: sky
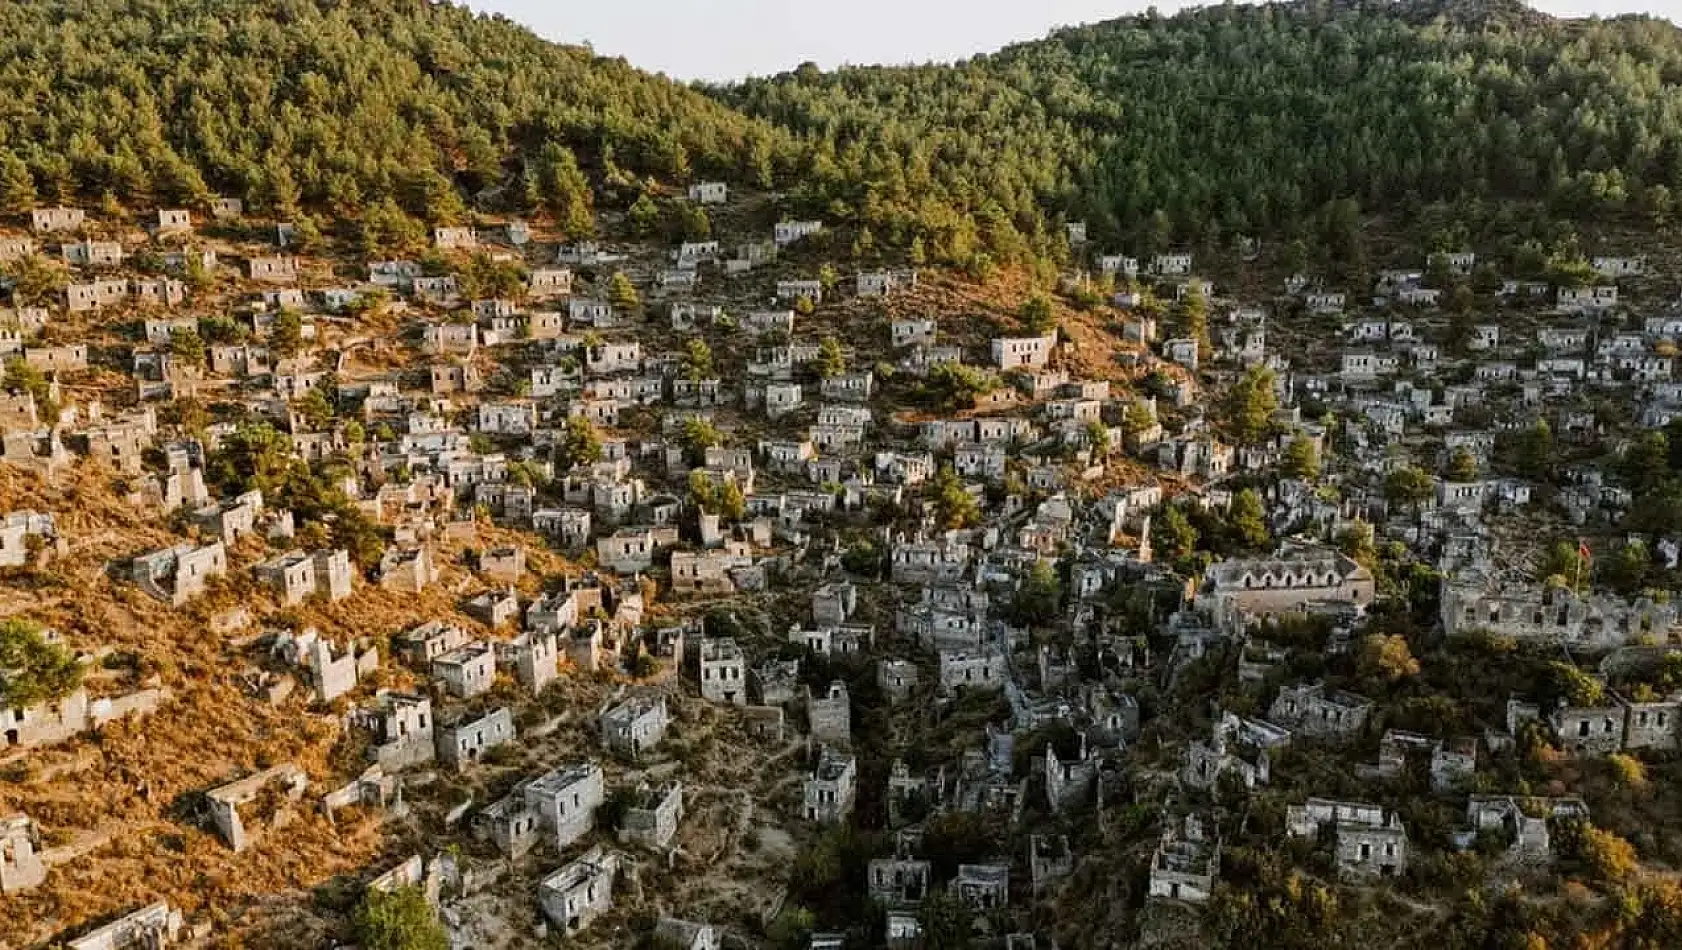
{"points": [[729, 39]]}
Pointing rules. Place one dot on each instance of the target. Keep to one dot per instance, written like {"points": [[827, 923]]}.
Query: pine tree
{"points": [[17, 185], [565, 192], [622, 293]]}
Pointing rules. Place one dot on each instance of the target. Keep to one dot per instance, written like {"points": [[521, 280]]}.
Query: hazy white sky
{"points": [[728, 39]]}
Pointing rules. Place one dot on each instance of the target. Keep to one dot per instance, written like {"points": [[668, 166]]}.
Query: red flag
{"points": [[1583, 549]]}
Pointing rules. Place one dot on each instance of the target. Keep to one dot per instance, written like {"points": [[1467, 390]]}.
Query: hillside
{"points": [[330, 106], [1236, 120]]}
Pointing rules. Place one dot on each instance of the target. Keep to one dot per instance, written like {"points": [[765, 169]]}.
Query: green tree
{"points": [[622, 293], [1037, 314], [186, 346], [643, 216], [34, 670], [1250, 405], [1462, 466], [1194, 317], [1302, 459], [286, 334], [564, 191], [697, 436], [828, 279], [694, 224], [732, 504], [831, 361], [1173, 537], [1533, 452], [579, 445], [697, 362], [1248, 520], [803, 306], [1387, 657], [954, 507], [399, 919], [21, 375], [1037, 601], [17, 185], [1098, 438], [1408, 485], [1137, 419]]}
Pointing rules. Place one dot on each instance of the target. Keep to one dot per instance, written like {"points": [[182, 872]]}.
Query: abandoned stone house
{"points": [[438, 290], [409, 570], [847, 387], [178, 574], [428, 641], [811, 290], [1022, 352], [1521, 823], [1367, 840], [1613, 268], [830, 715], [92, 253], [534, 657], [69, 358], [897, 679], [1539, 613], [723, 671], [787, 232], [982, 886], [652, 816], [582, 890], [467, 671], [833, 603], [23, 534], [83, 297], [450, 238], [928, 561], [547, 282], [913, 332], [401, 728], [1069, 783], [635, 725], [297, 576], [1590, 299], [53, 220], [882, 282], [1171, 265], [558, 806], [16, 249], [21, 867], [52, 722], [1310, 710], [225, 801], [898, 881], [279, 270], [1186, 863], [687, 935], [1239, 746], [330, 678], [153, 927], [829, 789], [467, 740], [709, 192], [982, 669]]}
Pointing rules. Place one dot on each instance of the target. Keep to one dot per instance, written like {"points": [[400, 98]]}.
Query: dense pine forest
{"points": [[1238, 120], [1291, 120]]}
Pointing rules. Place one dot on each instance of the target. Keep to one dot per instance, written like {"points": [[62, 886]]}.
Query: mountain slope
{"points": [[329, 102], [1241, 119]]}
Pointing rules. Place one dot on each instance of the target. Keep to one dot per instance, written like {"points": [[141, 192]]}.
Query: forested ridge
{"points": [[1251, 119], [1193, 129], [330, 105]]}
